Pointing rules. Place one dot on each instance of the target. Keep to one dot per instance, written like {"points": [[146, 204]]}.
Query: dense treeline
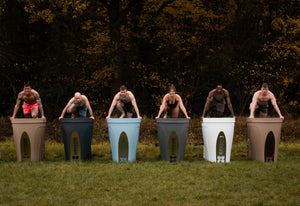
{"points": [[63, 46]]}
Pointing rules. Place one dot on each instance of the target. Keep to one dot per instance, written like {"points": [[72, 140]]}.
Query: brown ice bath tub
{"points": [[264, 138], [29, 138]]}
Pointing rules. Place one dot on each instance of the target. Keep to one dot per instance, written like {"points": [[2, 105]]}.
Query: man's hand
{"points": [[250, 118], [44, 118]]}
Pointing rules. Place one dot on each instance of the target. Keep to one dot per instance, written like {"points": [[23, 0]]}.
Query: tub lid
{"points": [[219, 120], [172, 120], [27, 121], [123, 120], [264, 120], [76, 120]]}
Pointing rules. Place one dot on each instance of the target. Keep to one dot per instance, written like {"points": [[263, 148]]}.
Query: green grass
{"points": [[148, 180]]}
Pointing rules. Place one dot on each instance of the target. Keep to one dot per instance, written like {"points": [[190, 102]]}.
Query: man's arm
{"points": [[274, 103], [133, 102], [39, 102], [112, 106], [210, 94], [229, 103], [87, 103], [66, 107], [16, 108], [253, 104]]}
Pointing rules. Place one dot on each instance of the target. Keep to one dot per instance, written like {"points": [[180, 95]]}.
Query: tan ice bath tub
{"points": [[29, 138], [264, 136]]}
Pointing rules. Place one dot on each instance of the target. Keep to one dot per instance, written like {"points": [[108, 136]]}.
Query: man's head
{"points": [[77, 97], [264, 88], [123, 90], [27, 88], [219, 87]]}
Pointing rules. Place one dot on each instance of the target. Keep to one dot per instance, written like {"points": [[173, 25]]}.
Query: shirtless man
{"points": [[260, 101], [125, 102], [32, 103], [171, 103], [216, 98], [78, 104]]}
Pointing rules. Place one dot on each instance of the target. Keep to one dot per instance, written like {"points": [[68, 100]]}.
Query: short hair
{"points": [[123, 87], [172, 87], [219, 84], [27, 84], [264, 85]]}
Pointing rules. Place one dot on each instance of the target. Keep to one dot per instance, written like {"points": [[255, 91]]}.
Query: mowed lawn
{"points": [[148, 180]]}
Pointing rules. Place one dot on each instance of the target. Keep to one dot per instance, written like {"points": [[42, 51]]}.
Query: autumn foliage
{"points": [[63, 46]]}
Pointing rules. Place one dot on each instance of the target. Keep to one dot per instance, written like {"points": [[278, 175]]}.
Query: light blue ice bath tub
{"points": [[123, 137]]}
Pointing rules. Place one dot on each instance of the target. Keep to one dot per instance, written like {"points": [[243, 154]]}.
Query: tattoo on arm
{"points": [[19, 99], [37, 97], [39, 102]]}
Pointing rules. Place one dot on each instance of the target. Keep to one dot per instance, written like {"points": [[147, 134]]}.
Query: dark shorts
{"points": [[128, 107], [82, 111], [263, 108], [217, 106]]}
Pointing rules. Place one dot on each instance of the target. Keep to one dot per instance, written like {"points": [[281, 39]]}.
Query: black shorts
{"points": [[263, 108], [128, 107], [218, 106]]}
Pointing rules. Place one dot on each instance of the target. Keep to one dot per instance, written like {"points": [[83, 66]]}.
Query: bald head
{"points": [[77, 97], [77, 94]]}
